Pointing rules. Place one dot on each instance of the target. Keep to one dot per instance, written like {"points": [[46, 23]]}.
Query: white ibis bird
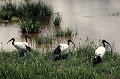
{"points": [[100, 52], [22, 47], [60, 49]]}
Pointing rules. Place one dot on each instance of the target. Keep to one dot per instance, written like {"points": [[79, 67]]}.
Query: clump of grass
{"points": [[63, 33], [115, 14], [57, 20], [32, 14], [43, 40], [31, 11], [7, 11], [30, 27], [35, 12]]}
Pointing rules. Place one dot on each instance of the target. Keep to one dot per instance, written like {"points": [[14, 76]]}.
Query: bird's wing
{"points": [[100, 51], [20, 46], [57, 50], [28, 48], [25, 43], [63, 47]]}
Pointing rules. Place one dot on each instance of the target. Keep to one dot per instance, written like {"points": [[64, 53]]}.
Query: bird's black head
{"points": [[70, 41], [27, 37], [12, 39], [97, 60], [104, 41]]}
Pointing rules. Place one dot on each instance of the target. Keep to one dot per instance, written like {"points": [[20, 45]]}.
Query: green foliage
{"points": [[30, 27], [63, 33], [31, 14], [32, 11], [117, 13], [43, 40], [7, 11], [78, 65], [57, 21]]}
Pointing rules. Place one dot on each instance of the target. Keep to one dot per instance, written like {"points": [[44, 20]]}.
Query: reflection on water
{"points": [[87, 17]]}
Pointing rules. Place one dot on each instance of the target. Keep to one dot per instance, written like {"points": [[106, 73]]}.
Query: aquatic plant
{"points": [[30, 27], [7, 11], [63, 33], [78, 65], [117, 13], [35, 12], [43, 40], [57, 20]]}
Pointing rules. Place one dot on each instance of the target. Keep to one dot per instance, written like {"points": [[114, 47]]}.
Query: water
{"points": [[6, 33], [90, 18], [87, 17]]}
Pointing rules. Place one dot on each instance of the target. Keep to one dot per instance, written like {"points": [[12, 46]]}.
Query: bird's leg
{"points": [[60, 56], [21, 53], [64, 56], [57, 57], [100, 61], [26, 51]]}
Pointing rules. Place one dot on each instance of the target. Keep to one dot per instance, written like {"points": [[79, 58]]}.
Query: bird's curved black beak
{"points": [[73, 43], [9, 41]]}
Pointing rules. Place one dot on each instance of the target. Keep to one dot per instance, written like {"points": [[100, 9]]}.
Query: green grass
{"points": [[7, 11], [63, 33], [30, 27], [57, 21], [43, 40], [35, 12], [78, 65], [30, 11], [30, 15], [117, 13]]}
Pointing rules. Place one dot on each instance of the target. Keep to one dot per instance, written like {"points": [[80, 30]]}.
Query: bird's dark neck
{"points": [[68, 42], [103, 44], [13, 42], [26, 39]]}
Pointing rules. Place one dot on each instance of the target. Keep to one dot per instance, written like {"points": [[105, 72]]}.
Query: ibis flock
{"points": [[59, 51]]}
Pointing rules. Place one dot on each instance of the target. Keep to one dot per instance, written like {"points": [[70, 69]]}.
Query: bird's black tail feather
{"points": [[64, 56], [28, 48], [97, 60]]}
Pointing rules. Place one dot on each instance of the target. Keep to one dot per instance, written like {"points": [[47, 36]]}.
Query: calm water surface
{"points": [[90, 18], [87, 17]]}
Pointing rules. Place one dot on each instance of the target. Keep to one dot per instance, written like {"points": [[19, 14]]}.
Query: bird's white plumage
{"points": [[64, 47], [20, 45], [25, 43], [100, 51]]}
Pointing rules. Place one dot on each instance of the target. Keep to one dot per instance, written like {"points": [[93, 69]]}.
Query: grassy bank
{"points": [[39, 65]]}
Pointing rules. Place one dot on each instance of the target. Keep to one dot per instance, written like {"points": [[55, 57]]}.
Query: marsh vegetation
{"points": [[33, 17]]}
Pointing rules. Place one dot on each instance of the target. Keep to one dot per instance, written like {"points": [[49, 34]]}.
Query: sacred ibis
{"points": [[58, 53], [100, 52], [22, 47]]}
